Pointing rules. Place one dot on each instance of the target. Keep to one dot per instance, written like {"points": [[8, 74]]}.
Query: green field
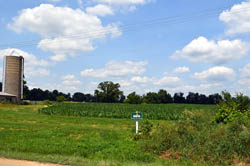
{"points": [[150, 111], [50, 135]]}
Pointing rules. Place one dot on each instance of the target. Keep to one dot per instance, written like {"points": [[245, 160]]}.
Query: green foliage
{"points": [[151, 98], [230, 107], [194, 137], [109, 92], [60, 99], [133, 98], [5, 102], [164, 96], [146, 128], [105, 110], [25, 103]]}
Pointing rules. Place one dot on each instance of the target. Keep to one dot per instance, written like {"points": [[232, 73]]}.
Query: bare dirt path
{"points": [[13, 162]]}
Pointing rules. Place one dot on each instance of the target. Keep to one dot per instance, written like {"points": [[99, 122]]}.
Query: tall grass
{"points": [[195, 137]]}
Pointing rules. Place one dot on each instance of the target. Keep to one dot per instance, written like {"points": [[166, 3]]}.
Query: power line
{"points": [[130, 27]]}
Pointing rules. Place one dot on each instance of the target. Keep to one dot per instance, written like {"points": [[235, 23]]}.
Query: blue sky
{"points": [[145, 45]]}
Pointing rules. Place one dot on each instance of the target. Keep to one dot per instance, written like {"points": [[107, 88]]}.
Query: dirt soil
{"points": [[13, 162]]}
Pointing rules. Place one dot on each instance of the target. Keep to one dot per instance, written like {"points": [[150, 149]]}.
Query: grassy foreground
{"points": [[26, 134]]}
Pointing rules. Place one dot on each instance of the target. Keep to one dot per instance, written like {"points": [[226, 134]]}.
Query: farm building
{"points": [[13, 67]]}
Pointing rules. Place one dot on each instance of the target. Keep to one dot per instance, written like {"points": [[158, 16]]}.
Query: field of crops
{"points": [[150, 111]]}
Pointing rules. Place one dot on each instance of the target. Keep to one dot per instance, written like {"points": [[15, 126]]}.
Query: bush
{"points": [[47, 102], [194, 137], [231, 108], [24, 103], [60, 99]]}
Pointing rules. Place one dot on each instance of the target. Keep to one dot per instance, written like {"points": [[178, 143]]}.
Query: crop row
{"points": [[150, 111]]}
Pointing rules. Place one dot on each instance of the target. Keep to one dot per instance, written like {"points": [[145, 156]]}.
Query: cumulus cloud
{"points": [[36, 72], [183, 69], [168, 81], [207, 88], [139, 79], [70, 80], [33, 66], [237, 18], [117, 69], [245, 71], [30, 60], [65, 30], [125, 83], [216, 74], [58, 57], [220, 52], [100, 10]]}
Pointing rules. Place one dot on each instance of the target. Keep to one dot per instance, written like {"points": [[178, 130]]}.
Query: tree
{"points": [[1, 85], [78, 96], [179, 98], [214, 98], [164, 96], [231, 108], [108, 92], [133, 98], [152, 98]]}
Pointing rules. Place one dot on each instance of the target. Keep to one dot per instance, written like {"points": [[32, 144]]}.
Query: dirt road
{"points": [[13, 162]]}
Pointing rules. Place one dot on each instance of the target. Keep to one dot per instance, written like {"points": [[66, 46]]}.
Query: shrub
{"points": [[60, 99], [25, 103], [230, 107], [194, 137]]}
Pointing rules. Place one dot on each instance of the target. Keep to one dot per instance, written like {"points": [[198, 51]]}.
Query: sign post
{"points": [[136, 116]]}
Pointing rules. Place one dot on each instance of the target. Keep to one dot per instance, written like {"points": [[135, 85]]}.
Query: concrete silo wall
{"points": [[13, 76]]}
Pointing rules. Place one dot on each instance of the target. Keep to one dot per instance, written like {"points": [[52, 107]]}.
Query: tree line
{"points": [[109, 92]]}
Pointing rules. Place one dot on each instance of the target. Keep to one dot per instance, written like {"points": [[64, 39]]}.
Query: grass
{"points": [[25, 134], [190, 139]]}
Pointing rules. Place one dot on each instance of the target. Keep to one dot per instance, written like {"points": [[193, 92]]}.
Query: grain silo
{"points": [[13, 76]]}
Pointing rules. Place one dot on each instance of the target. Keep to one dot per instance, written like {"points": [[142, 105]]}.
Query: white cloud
{"points": [[30, 60], [58, 57], [220, 52], [168, 81], [70, 80], [68, 77], [66, 31], [245, 71], [125, 2], [32, 66], [117, 69], [139, 79], [100, 10], [244, 82], [237, 18], [208, 88], [36, 72], [124, 83], [183, 69], [216, 74]]}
